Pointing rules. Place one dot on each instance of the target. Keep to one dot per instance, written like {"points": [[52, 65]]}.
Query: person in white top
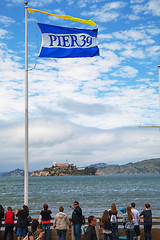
{"points": [[137, 220]]}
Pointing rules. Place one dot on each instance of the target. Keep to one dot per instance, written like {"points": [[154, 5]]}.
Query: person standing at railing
{"points": [[9, 224], [77, 220], [22, 222], [114, 221], [61, 222], [128, 222], [107, 227], [137, 220], [46, 221], [147, 217]]}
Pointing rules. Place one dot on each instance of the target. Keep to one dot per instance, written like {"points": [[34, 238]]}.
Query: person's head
{"points": [[25, 208], [61, 208], [133, 205], [76, 203], [45, 206], [129, 213], [113, 208], [105, 216], [9, 209], [34, 225], [92, 220], [147, 205]]}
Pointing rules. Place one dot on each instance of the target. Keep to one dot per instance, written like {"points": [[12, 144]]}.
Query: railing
{"points": [[99, 229]]}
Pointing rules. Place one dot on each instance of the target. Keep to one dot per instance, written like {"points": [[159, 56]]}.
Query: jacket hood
{"points": [[61, 215]]}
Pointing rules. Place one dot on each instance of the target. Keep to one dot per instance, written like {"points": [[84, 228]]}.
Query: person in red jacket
{"points": [[9, 224]]}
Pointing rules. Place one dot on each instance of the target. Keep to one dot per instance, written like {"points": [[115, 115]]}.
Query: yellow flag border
{"points": [[89, 22]]}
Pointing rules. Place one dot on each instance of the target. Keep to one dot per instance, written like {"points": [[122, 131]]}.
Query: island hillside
{"points": [[142, 167], [65, 169]]}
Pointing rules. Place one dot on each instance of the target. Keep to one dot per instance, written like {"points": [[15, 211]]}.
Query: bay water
{"points": [[94, 193]]}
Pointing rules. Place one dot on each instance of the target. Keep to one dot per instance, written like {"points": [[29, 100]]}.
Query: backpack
{"points": [[113, 218]]}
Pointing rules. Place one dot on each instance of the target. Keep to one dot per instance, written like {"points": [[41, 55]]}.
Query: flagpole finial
{"points": [[26, 3]]}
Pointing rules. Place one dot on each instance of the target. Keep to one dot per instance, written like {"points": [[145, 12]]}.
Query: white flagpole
{"points": [[26, 110], [159, 91]]}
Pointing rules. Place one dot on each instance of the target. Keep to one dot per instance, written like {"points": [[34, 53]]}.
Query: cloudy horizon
{"points": [[85, 110]]}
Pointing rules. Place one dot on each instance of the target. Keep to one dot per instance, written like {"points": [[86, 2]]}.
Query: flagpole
{"points": [[26, 110], [159, 90]]}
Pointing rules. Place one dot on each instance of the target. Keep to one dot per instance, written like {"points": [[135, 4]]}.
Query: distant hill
{"points": [[99, 165], [15, 173], [142, 167]]}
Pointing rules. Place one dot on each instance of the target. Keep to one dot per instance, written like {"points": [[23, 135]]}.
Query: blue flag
{"points": [[63, 42]]}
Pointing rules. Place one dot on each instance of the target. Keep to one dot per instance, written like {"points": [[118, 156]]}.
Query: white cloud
{"points": [[52, 141], [6, 21], [133, 53], [151, 7], [107, 12], [153, 51], [132, 17], [3, 33], [31, 3], [136, 1], [126, 72]]}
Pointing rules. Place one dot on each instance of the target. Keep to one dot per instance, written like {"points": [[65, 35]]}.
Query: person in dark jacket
{"points": [[22, 222], [46, 221], [107, 228], [77, 220], [91, 232], [147, 216]]}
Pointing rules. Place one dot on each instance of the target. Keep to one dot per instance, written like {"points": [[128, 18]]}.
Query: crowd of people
{"points": [[131, 220]]}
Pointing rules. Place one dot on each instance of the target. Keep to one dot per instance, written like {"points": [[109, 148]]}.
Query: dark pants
{"points": [[61, 234], [46, 226], [147, 231], [8, 229], [115, 230], [77, 231], [108, 236], [129, 234]]}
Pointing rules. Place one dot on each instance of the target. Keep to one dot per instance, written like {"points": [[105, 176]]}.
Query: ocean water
{"points": [[94, 193]]}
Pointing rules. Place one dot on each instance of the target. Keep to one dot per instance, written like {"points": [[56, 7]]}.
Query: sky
{"points": [[81, 110]]}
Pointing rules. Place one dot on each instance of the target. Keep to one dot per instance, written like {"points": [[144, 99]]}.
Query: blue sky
{"points": [[84, 110]]}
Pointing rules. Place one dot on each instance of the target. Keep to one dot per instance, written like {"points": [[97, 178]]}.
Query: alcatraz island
{"points": [[64, 169]]}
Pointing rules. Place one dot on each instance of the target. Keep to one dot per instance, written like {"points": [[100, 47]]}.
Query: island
{"points": [[150, 166], [64, 169]]}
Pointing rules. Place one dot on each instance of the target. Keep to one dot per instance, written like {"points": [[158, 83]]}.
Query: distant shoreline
{"points": [[151, 166]]}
